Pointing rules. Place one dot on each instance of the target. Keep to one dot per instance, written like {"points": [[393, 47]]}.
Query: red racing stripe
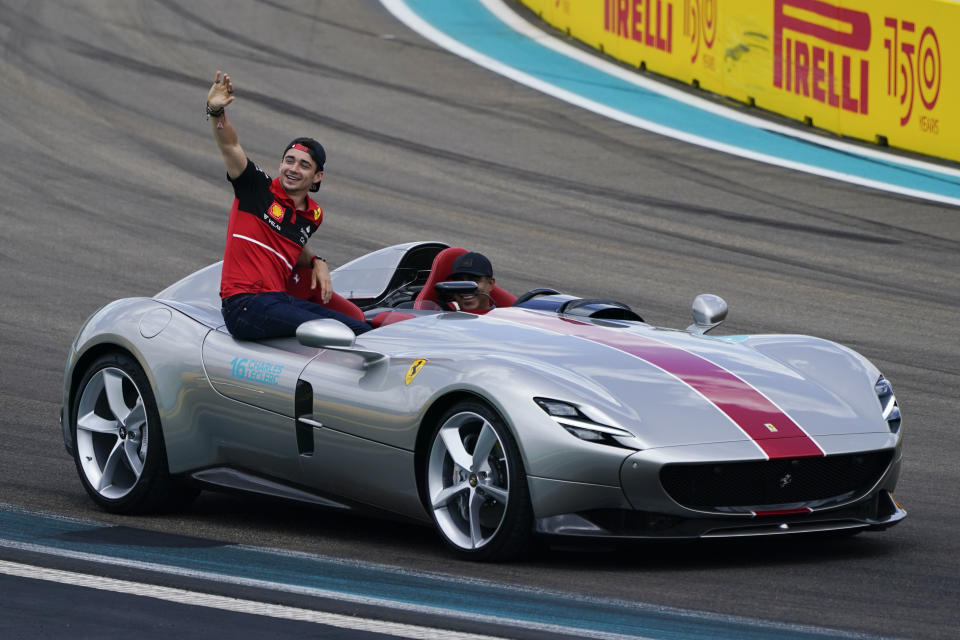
{"points": [[777, 435]]}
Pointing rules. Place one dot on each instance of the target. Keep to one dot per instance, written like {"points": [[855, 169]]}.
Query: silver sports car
{"points": [[548, 415]]}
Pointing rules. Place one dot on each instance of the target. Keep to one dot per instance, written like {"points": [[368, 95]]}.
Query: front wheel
{"points": [[475, 485], [118, 443]]}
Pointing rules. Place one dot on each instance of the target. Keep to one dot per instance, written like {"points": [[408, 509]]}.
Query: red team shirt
{"points": [[265, 235]]}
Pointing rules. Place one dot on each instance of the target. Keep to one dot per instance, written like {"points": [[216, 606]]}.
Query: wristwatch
{"points": [[216, 113]]}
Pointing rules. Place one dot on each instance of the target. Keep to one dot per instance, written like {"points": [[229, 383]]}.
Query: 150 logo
{"points": [[700, 25], [914, 66]]}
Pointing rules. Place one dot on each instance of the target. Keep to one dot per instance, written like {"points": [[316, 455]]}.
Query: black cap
{"points": [[316, 151], [472, 264]]}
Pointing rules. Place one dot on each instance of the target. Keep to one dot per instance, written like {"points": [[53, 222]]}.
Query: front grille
{"points": [[771, 483]]}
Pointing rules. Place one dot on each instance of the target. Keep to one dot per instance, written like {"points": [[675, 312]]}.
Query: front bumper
{"points": [[728, 493], [876, 512]]}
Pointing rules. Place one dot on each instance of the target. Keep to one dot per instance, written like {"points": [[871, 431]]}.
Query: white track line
{"points": [[182, 596], [477, 618]]}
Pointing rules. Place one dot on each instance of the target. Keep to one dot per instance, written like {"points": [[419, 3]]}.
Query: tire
{"points": [[118, 440], [475, 487]]}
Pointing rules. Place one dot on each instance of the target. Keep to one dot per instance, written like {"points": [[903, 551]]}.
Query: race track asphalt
{"points": [[112, 187]]}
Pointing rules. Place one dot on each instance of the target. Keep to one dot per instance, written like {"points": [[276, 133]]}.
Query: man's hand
{"points": [[321, 276], [221, 93]]}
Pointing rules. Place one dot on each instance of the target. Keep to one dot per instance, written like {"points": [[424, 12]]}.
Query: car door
{"points": [[357, 423], [257, 432]]}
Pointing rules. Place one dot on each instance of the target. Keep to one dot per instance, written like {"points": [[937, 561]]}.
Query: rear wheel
{"points": [[475, 485], [118, 442]]}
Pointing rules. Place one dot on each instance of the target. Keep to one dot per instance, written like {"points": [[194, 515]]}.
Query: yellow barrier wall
{"points": [[877, 70]]}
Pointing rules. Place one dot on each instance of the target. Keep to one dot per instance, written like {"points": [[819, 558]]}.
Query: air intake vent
{"points": [[774, 483]]}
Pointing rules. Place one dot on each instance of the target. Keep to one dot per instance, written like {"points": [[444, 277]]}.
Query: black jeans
{"points": [[275, 314]]}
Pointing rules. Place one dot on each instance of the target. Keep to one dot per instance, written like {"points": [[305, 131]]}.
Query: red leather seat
{"points": [[389, 317], [299, 286], [428, 298]]}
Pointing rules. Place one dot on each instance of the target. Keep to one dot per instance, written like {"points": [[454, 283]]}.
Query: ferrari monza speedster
{"points": [[548, 415]]}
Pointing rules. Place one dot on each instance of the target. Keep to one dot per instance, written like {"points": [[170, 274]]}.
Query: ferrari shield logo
{"points": [[770, 427], [414, 369]]}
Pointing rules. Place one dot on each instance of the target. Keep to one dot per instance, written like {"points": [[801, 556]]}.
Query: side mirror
{"points": [[709, 311], [325, 333]]}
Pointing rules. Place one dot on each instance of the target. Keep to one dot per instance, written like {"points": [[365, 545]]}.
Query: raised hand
{"points": [[221, 93]]}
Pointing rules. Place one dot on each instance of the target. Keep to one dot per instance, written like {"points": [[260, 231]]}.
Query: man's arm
{"points": [[221, 95], [319, 275]]}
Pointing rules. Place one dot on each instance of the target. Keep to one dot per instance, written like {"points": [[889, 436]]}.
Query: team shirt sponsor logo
{"points": [[276, 212], [305, 234], [773, 431]]}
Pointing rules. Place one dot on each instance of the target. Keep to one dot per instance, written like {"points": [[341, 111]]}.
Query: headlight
{"points": [[575, 422], [888, 403]]}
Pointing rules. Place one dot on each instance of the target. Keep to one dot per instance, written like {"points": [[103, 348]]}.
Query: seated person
{"points": [[270, 222], [476, 267], [456, 263]]}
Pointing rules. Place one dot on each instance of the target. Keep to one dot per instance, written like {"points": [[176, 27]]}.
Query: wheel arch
{"points": [[514, 533], [157, 490], [79, 370], [432, 416]]}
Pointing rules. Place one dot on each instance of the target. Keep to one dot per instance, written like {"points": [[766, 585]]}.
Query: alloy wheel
{"points": [[112, 435], [468, 480]]}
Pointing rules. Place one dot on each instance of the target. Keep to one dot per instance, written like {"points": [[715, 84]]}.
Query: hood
{"points": [[788, 394]]}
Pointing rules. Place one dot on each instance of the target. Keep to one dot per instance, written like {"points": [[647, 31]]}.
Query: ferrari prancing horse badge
{"points": [[414, 369]]}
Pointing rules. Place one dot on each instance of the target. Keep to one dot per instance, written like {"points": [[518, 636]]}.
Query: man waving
{"points": [[270, 223]]}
